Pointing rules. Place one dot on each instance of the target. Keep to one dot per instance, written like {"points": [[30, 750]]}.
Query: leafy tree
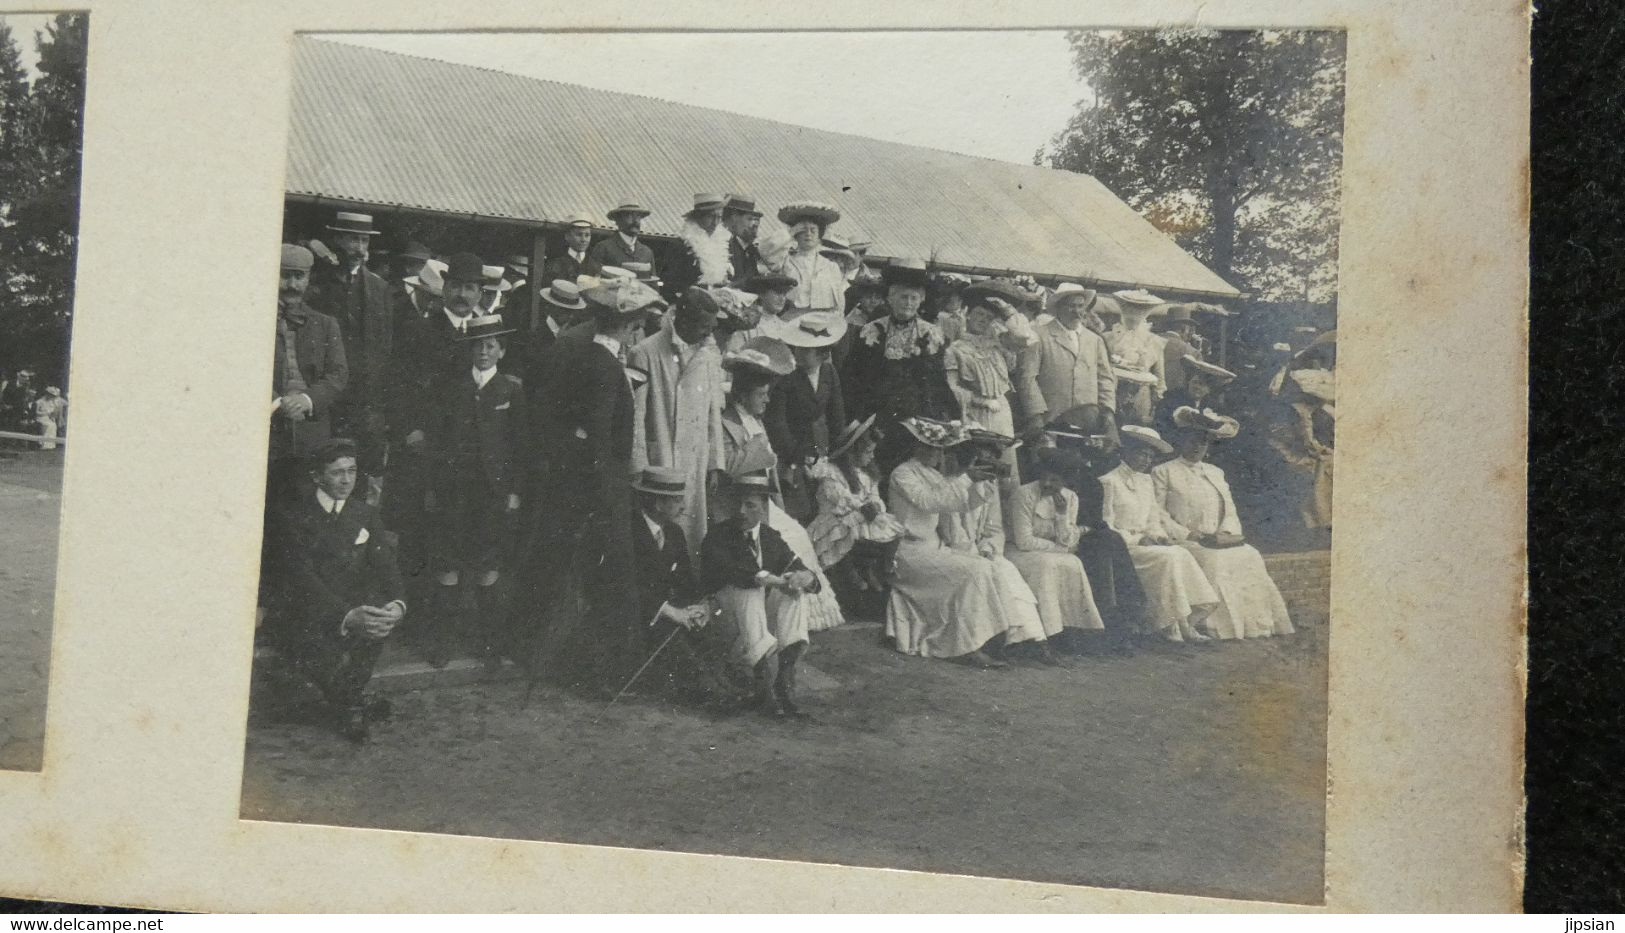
{"points": [[39, 203], [1228, 141]]}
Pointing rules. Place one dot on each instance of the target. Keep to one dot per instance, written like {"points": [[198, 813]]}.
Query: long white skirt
{"points": [[1176, 589], [1249, 604], [1020, 604], [943, 603], [761, 621], [1064, 597], [822, 610]]}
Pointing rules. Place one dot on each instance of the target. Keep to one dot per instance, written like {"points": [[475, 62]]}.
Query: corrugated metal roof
{"points": [[394, 130]]}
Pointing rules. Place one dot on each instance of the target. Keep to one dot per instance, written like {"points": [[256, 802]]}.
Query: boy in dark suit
{"points": [[758, 581], [335, 593], [473, 434]]}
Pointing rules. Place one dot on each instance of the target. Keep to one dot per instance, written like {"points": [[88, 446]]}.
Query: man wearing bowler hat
{"points": [[626, 245], [362, 304], [572, 262], [743, 220]]}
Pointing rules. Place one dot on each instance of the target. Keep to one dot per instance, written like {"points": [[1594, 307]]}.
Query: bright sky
{"points": [[23, 26], [994, 94]]}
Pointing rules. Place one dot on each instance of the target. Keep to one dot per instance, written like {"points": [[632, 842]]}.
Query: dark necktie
{"points": [[755, 549]]}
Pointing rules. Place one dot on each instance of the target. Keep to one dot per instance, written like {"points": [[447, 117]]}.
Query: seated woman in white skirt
{"points": [[761, 590], [943, 603], [1198, 500], [1044, 536], [1177, 594]]}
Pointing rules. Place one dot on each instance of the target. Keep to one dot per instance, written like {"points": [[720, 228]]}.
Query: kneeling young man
{"points": [[335, 593], [758, 584]]}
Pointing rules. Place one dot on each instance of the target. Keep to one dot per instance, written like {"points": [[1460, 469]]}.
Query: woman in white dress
{"points": [[820, 284], [1044, 531], [979, 530], [980, 361], [853, 531], [1178, 596], [944, 603], [1137, 354], [754, 369], [1198, 500]]}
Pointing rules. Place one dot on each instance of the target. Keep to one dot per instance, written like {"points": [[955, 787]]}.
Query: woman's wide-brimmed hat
{"points": [[490, 325], [1138, 300], [1136, 376], [661, 481], [934, 433], [352, 222], [809, 329], [762, 354], [623, 296], [1215, 373], [849, 435], [979, 292], [1144, 436], [562, 294], [822, 214], [1217, 426]]}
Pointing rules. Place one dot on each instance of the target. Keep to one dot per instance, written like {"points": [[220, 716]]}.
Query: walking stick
{"points": [[639, 673]]}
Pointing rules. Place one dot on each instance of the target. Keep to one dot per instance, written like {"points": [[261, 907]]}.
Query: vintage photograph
{"points": [[42, 103], [920, 458]]}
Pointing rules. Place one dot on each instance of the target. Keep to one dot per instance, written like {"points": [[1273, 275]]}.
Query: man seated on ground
{"points": [[335, 592], [758, 582], [689, 664]]}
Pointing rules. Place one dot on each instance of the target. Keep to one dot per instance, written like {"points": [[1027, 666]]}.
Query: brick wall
{"points": [[1305, 582]]}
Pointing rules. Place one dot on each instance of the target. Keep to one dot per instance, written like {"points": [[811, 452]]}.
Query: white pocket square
{"points": [[362, 537], [503, 407]]}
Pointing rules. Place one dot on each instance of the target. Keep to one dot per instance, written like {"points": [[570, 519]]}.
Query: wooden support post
{"points": [[538, 280]]}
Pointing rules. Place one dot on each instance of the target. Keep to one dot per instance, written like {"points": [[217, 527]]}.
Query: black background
{"points": [[1576, 728]]}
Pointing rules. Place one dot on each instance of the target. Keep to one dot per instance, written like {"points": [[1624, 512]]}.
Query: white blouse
{"points": [[1196, 496]]}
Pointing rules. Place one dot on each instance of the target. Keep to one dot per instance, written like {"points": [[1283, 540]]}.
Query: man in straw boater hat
{"points": [[572, 261], [1199, 502], [688, 657], [561, 307], [944, 603], [474, 434], [577, 552], [333, 591], [895, 368], [702, 254], [625, 245], [743, 220], [1067, 365], [819, 281], [361, 303], [807, 406], [1137, 355], [679, 410], [1178, 595], [759, 585]]}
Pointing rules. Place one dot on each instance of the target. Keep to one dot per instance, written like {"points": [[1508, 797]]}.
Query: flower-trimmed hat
{"points": [[796, 211], [763, 354], [934, 433]]}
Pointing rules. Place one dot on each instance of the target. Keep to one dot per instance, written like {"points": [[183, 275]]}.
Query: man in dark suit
{"points": [[740, 216], [690, 663], [309, 375], [578, 549], [625, 245], [406, 268], [573, 262], [362, 304], [807, 407], [335, 592], [758, 581], [560, 308]]}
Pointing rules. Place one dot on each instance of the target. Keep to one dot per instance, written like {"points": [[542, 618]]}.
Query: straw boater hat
{"points": [[662, 481], [740, 204], [849, 435], [430, 278], [1145, 437], [1214, 373], [795, 211], [577, 219], [1214, 425], [562, 294], [642, 271], [490, 325], [905, 272], [705, 204], [519, 261], [351, 222], [810, 329], [751, 481], [934, 433], [627, 207], [492, 281], [762, 354]]}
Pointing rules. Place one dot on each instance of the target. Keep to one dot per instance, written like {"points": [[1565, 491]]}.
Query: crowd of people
{"points": [[669, 474], [28, 408]]}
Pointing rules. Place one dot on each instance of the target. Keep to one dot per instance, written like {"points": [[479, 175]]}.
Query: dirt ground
{"points": [[1195, 770], [30, 502]]}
